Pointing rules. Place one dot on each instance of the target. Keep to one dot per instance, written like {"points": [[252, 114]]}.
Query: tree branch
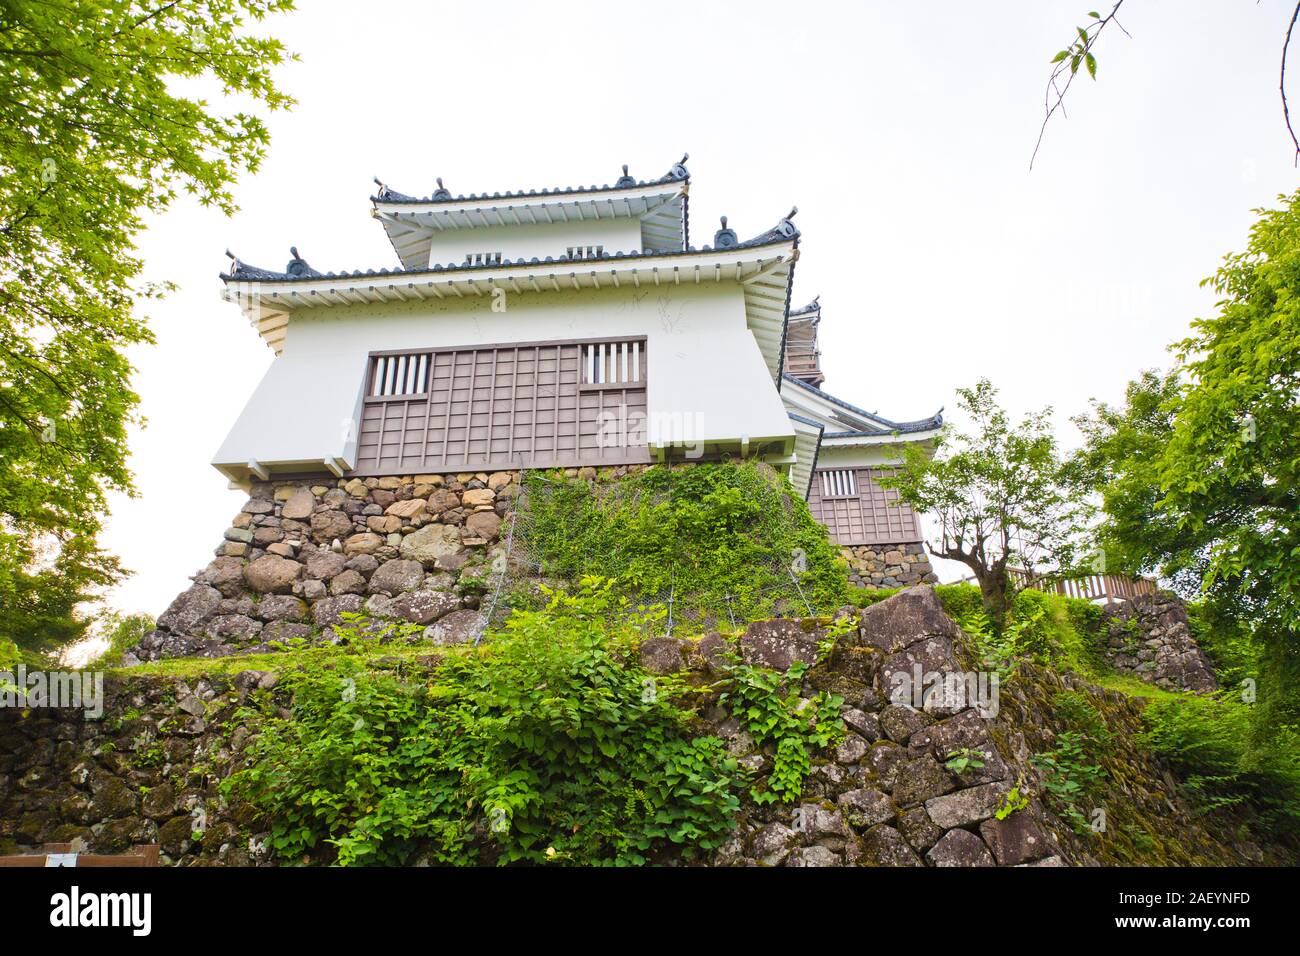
{"points": [[1281, 85]]}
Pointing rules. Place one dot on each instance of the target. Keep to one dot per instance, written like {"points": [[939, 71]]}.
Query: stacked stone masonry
{"points": [[1150, 636], [299, 554], [149, 770], [889, 565]]}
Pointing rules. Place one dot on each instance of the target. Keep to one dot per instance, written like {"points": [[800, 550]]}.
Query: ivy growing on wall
{"points": [[548, 744], [719, 541]]}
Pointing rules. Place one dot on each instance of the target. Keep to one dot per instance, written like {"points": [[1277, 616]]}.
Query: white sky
{"points": [[902, 131]]}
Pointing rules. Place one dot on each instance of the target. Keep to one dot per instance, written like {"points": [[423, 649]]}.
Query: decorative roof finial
{"points": [[787, 228], [441, 192], [725, 238], [297, 265], [625, 179], [679, 170]]}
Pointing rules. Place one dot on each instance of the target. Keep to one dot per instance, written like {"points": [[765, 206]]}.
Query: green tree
{"points": [[999, 496], [1197, 472], [94, 133]]}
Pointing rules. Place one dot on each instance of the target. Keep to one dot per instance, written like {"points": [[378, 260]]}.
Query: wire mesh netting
{"points": [[693, 579]]}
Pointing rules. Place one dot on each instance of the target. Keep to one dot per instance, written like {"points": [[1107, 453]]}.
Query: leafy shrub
{"points": [[1212, 742], [123, 632], [544, 745], [720, 537], [865, 597], [959, 600], [1070, 775], [1227, 642], [769, 707], [1050, 629]]}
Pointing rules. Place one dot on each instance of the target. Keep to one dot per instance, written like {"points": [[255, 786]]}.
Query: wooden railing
{"points": [[1089, 587]]}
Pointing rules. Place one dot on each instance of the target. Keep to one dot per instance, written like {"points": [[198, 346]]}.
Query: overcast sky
{"points": [[903, 132]]}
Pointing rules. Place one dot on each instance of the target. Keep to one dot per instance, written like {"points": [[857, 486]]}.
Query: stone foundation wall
{"points": [[149, 770], [1150, 636], [414, 548], [889, 565]]}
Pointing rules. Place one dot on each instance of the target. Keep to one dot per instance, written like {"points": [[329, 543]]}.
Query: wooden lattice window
{"points": [[612, 363], [535, 405], [857, 511], [838, 483]]}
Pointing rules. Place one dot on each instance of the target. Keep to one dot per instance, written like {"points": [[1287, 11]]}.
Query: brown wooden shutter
{"points": [[858, 511], [504, 406]]}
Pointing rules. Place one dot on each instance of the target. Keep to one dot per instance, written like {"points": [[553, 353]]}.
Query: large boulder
{"points": [[919, 779], [366, 542], [406, 509], [1017, 839], [424, 607], [226, 574], [484, 524], [281, 607], [272, 574], [967, 806], [190, 609], [442, 500], [397, 576], [430, 543], [299, 504], [328, 525], [328, 611], [323, 564], [960, 848], [885, 846], [458, 627], [902, 620], [866, 807], [778, 644], [661, 655]]}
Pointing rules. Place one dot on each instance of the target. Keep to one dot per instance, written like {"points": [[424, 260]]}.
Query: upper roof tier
{"points": [[802, 354], [629, 215]]}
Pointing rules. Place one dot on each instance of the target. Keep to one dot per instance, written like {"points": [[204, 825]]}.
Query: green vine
{"points": [[769, 707]]}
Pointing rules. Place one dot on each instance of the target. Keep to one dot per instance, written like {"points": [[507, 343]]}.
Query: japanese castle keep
{"points": [[574, 327]]}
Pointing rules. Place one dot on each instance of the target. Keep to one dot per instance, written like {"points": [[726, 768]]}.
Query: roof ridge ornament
{"points": [[725, 238], [625, 180], [786, 227], [298, 266], [679, 170], [441, 192]]}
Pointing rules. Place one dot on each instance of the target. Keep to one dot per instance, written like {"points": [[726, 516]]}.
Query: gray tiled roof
{"points": [[887, 427], [783, 231], [677, 174], [812, 306]]}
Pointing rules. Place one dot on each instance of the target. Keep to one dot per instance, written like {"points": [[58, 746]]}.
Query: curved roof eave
{"points": [[443, 197]]}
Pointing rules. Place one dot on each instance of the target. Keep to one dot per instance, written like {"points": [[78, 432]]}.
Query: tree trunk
{"points": [[993, 590]]}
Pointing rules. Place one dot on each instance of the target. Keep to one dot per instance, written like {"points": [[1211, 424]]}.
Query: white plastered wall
{"points": [[703, 366], [622, 234], [858, 456]]}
